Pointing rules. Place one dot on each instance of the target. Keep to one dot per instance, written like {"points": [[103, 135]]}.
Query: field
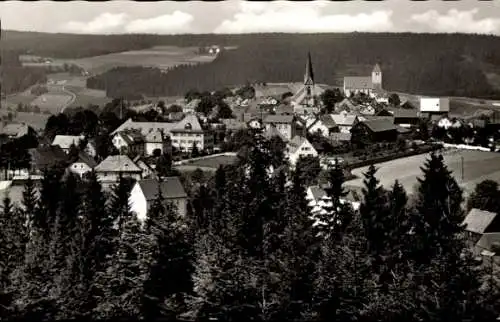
{"points": [[477, 166], [53, 102], [213, 162], [162, 57]]}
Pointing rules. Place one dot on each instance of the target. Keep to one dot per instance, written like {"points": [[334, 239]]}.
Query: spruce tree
{"points": [[48, 202], [164, 296], [30, 200]]}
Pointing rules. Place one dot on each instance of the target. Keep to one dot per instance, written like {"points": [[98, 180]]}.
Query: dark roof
{"points": [[328, 121], [380, 125], [48, 156], [478, 221], [309, 74], [405, 113], [171, 188], [358, 82], [279, 119], [377, 69], [87, 159]]}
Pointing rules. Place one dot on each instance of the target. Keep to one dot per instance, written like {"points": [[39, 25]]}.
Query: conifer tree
{"points": [[30, 200], [119, 206], [374, 213], [48, 202], [164, 296]]}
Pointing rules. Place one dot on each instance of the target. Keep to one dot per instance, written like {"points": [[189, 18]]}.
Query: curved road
{"points": [[73, 97]]}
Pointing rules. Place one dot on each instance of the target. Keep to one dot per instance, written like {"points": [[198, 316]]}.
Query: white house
{"points": [[144, 192], [65, 141], [444, 123], [345, 121], [109, 170], [324, 125], [188, 132], [130, 141], [147, 170], [435, 105], [155, 140], [83, 164], [299, 147]]}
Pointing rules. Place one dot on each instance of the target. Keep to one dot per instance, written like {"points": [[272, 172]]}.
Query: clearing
{"points": [[209, 162], [477, 166], [54, 102]]}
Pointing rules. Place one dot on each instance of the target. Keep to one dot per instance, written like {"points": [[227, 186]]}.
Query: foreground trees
{"points": [[248, 249]]}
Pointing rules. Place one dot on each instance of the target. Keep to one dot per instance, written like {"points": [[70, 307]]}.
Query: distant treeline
{"points": [[421, 64]]}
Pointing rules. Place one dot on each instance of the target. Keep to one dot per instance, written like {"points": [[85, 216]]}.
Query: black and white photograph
{"points": [[250, 160]]}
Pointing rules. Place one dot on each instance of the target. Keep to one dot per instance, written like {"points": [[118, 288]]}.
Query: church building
{"points": [[306, 99], [364, 84]]}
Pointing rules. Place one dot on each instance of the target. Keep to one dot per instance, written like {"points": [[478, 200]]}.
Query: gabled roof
{"points": [[317, 192], [344, 119], [279, 119], [171, 187], [65, 141], [273, 131], [48, 156], [85, 158], [345, 102], [487, 240], [358, 82], [145, 127], [117, 163], [190, 123], [380, 125], [377, 69], [154, 137], [405, 113], [478, 221], [296, 143], [328, 121]]}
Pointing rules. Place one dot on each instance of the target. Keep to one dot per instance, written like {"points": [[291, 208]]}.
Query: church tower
{"points": [[377, 77], [309, 81]]}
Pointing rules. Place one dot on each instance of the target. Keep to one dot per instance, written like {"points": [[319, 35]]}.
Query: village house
{"points": [[324, 125], [91, 148], [345, 121], [110, 169], [345, 105], [147, 170], [16, 130], [405, 117], [367, 110], [434, 107], [66, 141], [82, 164], [285, 124], [478, 222], [375, 130], [364, 84], [144, 127], [188, 132], [156, 140], [299, 147], [144, 193], [444, 123], [47, 156], [129, 141]]}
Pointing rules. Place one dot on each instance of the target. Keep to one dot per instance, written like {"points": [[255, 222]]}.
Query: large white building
{"points": [[188, 132], [364, 84], [434, 105]]}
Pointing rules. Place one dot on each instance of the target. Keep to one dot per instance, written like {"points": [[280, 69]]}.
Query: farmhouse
{"points": [[45, 157], [405, 117], [188, 132], [345, 121], [364, 84], [110, 169], [375, 130], [146, 191], [285, 124], [129, 141], [324, 125], [299, 147], [145, 127], [66, 141], [83, 164], [477, 222]]}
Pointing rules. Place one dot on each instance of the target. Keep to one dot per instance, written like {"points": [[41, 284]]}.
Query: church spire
{"points": [[309, 75]]}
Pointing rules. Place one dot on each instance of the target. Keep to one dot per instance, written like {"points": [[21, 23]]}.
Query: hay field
{"points": [[477, 165], [162, 57], [53, 102]]}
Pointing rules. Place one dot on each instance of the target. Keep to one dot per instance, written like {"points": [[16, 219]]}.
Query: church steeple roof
{"points": [[309, 75], [377, 69]]}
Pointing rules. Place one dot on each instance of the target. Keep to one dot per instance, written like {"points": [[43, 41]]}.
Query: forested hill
{"points": [[431, 64], [451, 64]]}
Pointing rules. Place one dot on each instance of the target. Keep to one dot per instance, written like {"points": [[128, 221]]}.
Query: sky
{"points": [[235, 16]]}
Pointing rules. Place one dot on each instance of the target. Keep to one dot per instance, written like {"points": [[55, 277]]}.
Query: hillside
{"points": [[427, 64]]}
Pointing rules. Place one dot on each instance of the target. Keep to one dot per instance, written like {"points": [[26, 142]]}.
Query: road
{"points": [[73, 97]]}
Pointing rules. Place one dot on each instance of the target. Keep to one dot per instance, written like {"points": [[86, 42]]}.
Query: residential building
{"points": [[188, 132], [145, 127], [374, 130], [91, 148], [364, 84], [147, 170], [66, 141], [406, 117], [144, 193], [324, 125], [82, 164], [129, 142], [345, 121], [478, 222], [444, 123], [272, 131], [430, 106], [110, 169], [47, 156], [345, 105], [285, 124], [299, 147], [156, 140]]}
